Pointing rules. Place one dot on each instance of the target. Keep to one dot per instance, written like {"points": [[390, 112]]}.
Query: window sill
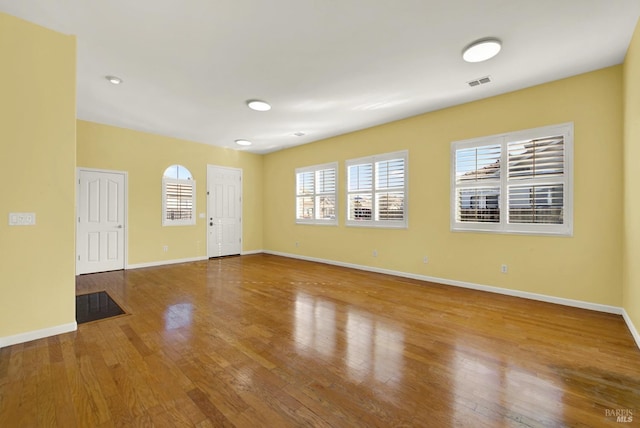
{"points": [[372, 225], [559, 233]]}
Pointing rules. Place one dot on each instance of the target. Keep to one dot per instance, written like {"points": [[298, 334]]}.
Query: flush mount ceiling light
{"points": [[243, 142], [258, 105], [114, 79], [482, 50]]}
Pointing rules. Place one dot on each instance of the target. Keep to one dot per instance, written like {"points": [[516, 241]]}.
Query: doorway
{"points": [[101, 226], [224, 211]]}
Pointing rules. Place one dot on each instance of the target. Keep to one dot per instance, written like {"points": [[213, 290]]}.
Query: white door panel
{"points": [[101, 221], [224, 211]]}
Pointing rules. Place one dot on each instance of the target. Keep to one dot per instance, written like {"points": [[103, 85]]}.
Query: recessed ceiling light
{"points": [[258, 105], [482, 50], [114, 79], [243, 142]]}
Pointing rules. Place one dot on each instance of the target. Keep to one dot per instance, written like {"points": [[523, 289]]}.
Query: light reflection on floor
{"points": [[489, 380], [315, 324], [371, 349], [178, 316]]}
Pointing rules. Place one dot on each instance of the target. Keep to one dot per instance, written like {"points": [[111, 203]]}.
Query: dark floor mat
{"points": [[96, 306]]}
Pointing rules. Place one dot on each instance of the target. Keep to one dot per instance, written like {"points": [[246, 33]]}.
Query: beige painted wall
{"points": [[145, 157], [584, 267], [631, 252], [37, 147]]}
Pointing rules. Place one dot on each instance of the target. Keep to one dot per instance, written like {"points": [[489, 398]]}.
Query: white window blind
{"points": [[478, 183], [539, 165], [376, 191], [179, 200], [514, 183], [316, 188], [178, 197]]}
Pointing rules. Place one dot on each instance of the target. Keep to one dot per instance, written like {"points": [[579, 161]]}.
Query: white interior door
{"points": [[101, 221], [224, 211]]}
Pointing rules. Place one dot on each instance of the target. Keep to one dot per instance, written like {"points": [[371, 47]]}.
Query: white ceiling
{"points": [[327, 66]]}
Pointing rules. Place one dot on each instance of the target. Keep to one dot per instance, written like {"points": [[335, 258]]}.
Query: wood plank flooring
{"points": [[267, 341]]}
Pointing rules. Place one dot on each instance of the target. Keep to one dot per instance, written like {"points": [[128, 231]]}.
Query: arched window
{"points": [[178, 197]]}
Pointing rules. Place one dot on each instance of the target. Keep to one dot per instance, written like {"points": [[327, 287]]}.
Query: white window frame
{"points": [[165, 181], [374, 160], [317, 195], [564, 229]]}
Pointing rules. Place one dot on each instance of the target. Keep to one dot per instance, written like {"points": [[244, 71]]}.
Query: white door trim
{"points": [[209, 214], [126, 210]]}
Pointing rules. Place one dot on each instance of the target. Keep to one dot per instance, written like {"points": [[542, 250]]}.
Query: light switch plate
{"points": [[22, 219]]}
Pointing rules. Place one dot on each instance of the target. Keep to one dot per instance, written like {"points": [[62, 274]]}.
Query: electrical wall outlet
{"points": [[375, 253], [165, 248], [425, 260], [504, 269]]}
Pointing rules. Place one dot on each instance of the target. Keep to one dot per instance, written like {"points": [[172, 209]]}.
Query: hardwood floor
{"points": [[267, 341]]}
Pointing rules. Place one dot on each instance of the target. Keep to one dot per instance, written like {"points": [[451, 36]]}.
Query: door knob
{"points": [[119, 226]]}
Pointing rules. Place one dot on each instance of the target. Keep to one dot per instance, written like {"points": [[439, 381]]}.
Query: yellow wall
{"points": [[145, 157], [631, 252], [37, 149], [584, 267], [38, 144]]}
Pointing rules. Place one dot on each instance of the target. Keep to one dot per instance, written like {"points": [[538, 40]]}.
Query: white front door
{"points": [[100, 232], [224, 211]]}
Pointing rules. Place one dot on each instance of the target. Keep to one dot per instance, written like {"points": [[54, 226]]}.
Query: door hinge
{"points": [[78, 219], [78, 257], [207, 192]]}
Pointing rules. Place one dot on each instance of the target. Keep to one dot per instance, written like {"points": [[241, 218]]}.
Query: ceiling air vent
{"points": [[480, 81]]}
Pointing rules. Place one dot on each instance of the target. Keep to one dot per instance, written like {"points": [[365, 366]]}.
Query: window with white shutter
{"points": [[316, 194], [514, 183], [178, 197], [377, 191]]}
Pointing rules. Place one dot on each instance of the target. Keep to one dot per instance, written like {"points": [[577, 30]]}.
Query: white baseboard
{"points": [[247, 253], [632, 328], [165, 262], [37, 334], [66, 328], [516, 293], [187, 260]]}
